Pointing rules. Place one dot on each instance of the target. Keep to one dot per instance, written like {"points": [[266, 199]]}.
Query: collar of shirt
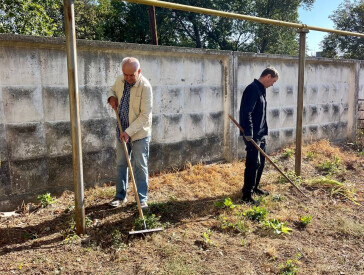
{"points": [[260, 86]]}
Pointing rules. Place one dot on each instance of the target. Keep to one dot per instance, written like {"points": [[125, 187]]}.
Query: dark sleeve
{"points": [[248, 101]]}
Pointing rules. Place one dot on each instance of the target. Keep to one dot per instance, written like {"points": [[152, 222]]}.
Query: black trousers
{"points": [[254, 165]]}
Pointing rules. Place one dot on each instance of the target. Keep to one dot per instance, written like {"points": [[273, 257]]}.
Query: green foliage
{"points": [[277, 226], [289, 268], [206, 236], [305, 220], [310, 155], [226, 203], [28, 17], [256, 213], [238, 226], [330, 167], [348, 17], [117, 239], [151, 221], [288, 152], [45, 199], [291, 175]]}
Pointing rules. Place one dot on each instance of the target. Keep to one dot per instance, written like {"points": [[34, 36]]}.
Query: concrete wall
{"points": [[194, 90]]}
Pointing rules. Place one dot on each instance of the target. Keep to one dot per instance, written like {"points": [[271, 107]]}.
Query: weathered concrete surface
{"points": [[194, 91]]}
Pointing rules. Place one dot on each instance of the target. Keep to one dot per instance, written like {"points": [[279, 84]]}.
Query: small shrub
{"points": [[310, 155], [305, 220], [291, 175], [45, 199], [330, 167], [151, 221], [289, 268], [288, 152], [226, 203], [256, 213], [206, 238], [277, 226], [117, 239], [239, 226]]}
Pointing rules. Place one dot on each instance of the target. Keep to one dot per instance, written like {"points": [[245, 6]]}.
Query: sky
{"points": [[318, 16]]}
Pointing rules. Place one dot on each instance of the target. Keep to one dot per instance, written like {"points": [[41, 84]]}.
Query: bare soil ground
{"points": [[207, 229]]}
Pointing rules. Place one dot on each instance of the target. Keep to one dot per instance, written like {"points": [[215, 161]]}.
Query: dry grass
{"points": [[204, 236]]}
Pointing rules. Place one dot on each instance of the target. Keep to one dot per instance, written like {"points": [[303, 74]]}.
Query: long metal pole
{"points": [[301, 82], [175, 6], [153, 25], [69, 19]]}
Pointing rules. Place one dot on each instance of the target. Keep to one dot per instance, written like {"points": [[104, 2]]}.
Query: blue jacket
{"points": [[253, 111]]}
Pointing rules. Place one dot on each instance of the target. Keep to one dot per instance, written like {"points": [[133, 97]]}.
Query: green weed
{"points": [[151, 221], [117, 240], [239, 226], [310, 155], [291, 175], [226, 203], [330, 167], [277, 226], [305, 220], [256, 213], [45, 199], [288, 152], [206, 236], [289, 268]]}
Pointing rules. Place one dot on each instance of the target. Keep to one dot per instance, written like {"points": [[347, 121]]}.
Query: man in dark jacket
{"points": [[253, 119]]}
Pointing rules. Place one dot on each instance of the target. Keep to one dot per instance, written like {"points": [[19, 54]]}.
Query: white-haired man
{"points": [[132, 96]]}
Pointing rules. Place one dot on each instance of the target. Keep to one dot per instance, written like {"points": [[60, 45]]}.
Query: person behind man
{"points": [[253, 119], [132, 96]]}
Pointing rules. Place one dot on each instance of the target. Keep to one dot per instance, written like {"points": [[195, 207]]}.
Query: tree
{"points": [[27, 17], [348, 17]]}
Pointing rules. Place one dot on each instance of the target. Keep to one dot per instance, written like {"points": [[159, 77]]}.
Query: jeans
{"points": [[139, 152], [254, 165]]}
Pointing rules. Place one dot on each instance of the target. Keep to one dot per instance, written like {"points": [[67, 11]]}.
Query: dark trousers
{"points": [[254, 165]]}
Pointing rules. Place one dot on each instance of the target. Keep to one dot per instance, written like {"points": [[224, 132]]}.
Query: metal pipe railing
{"points": [[181, 7]]}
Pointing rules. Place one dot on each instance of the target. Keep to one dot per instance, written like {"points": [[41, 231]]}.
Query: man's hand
{"points": [[248, 138], [124, 136], [113, 101]]}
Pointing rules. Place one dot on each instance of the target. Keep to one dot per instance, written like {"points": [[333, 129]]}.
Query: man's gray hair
{"points": [[131, 60]]}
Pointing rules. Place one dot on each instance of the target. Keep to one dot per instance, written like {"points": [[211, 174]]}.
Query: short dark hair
{"points": [[270, 70]]}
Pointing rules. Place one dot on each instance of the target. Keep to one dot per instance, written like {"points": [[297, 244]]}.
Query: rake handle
{"points": [[135, 189], [266, 156]]}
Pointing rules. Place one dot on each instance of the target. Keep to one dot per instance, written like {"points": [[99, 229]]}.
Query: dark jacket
{"points": [[253, 111]]}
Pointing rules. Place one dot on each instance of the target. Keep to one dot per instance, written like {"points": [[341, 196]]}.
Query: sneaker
{"points": [[143, 205], [117, 202], [260, 192], [249, 200]]}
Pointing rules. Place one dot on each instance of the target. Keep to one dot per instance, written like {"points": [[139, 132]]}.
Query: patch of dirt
{"points": [[205, 233]]}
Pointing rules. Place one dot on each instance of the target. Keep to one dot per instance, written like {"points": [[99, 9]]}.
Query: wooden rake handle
{"points": [[266, 156], [135, 189]]}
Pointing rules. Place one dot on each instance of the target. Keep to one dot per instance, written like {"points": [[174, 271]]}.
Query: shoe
{"points": [[143, 205], [117, 202], [249, 200], [260, 192]]}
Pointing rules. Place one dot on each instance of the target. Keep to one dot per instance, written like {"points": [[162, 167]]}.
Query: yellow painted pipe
{"points": [[181, 7]]}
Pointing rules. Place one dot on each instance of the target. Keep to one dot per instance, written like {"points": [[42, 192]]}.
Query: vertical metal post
{"points": [[69, 19], [301, 82], [153, 25]]}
